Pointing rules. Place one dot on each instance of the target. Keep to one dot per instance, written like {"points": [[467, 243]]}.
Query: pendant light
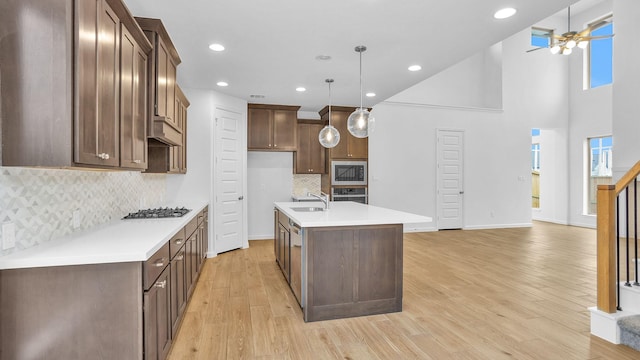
{"points": [[360, 122], [329, 136]]}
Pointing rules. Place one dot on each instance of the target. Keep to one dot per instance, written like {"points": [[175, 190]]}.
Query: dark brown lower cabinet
{"points": [[157, 317], [129, 310], [178, 290]]}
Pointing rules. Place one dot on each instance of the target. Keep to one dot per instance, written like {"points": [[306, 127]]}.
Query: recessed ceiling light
{"points": [[216, 47], [371, 94], [504, 13], [222, 83], [323, 57], [256, 96], [300, 89], [415, 68]]}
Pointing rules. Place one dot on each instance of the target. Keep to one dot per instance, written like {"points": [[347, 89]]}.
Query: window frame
{"points": [[595, 25], [591, 193]]}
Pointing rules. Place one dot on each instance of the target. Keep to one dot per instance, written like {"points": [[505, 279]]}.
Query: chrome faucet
{"points": [[323, 197]]}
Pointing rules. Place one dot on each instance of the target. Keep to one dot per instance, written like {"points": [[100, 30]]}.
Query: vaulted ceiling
{"points": [[272, 46]]}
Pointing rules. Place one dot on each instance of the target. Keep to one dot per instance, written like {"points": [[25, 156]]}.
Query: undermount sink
{"points": [[307, 209]]}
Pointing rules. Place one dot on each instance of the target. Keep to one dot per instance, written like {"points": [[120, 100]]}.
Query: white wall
{"points": [[197, 182], [475, 82], [626, 92], [269, 179]]}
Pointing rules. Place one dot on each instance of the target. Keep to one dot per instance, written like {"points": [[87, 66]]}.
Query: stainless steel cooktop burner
{"points": [[158, 213]]}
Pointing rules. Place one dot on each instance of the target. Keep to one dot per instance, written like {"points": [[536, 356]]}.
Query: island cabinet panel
{"points": [[353, 271]]}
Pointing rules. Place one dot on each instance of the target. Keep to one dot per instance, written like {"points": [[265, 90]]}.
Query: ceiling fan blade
{"points": [[535, 49], [585, 32], [598, 37]]}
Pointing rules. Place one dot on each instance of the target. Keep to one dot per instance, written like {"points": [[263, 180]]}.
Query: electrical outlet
{"points": [[76, 218], [8, 235]]}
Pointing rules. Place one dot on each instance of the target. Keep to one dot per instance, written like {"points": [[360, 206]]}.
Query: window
{"points": [[535, 168], [600, 167], [541, 37], [601, 53]]}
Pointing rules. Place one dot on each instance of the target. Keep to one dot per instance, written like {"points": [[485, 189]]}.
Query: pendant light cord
{"points": [[361, 78], [329, 101]]}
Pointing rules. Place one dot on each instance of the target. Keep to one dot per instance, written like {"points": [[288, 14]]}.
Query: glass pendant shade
{"points": [[583, 44], [566, 51], [329, 136], [571, 44], [555, 49], [360, 123]]}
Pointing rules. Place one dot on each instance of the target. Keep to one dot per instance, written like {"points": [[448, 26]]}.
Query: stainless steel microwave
{"points": [[348, 172]]}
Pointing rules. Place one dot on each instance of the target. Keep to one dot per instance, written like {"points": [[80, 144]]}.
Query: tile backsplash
{"points": [[41, 201], [304, 183]]}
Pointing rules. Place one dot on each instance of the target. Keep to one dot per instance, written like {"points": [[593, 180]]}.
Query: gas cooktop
{"points": [[158, 213]]}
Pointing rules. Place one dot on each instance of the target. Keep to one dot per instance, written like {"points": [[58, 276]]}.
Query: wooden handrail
{"points": [[606, 239]]}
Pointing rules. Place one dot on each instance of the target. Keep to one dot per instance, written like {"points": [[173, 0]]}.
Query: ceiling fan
{"points": [[564, 44]]}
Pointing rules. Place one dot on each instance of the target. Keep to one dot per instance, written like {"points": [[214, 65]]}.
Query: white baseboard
{"points": [[553, 221], [497, 226], [261, 237]]}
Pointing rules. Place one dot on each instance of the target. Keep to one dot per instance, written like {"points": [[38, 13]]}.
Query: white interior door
{"points": [[450, 181], [229, 197]]}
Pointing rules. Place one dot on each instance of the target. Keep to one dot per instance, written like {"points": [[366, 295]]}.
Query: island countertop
{"points": [[346, 213]]}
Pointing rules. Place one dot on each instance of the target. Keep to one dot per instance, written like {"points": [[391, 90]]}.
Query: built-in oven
{"points": [[357, 194], [348, 172]]}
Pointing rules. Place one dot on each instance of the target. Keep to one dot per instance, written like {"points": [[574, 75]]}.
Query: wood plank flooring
{"points": [[482, 294]]}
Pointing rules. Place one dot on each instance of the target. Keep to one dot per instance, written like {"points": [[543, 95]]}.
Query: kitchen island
{"points": [[342, 262]]}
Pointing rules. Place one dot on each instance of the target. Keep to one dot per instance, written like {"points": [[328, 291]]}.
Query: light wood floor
{"points": [[482, 294]]}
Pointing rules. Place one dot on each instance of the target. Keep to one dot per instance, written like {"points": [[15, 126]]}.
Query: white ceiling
{"points": [[271, 46]]}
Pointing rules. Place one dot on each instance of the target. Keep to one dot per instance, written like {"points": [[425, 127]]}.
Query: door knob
{"points": [[240, 197], [461, 192]]}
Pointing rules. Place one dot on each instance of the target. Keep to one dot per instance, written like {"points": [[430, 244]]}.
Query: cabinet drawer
{"points": [[283, 219], [176, 242], [200, 217], [191, 227], [154, 266]]}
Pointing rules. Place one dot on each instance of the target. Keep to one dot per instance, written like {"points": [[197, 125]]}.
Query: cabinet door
{"points": [[303, 154], [358, 147], [171, 91], [259, 129], [157, 318], [339, 121], [283, 243], [133, 103], [178, 290], [97, 75], [161, 75], [316, 151], [285, 130]]}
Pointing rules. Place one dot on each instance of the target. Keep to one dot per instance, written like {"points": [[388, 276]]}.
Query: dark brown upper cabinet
{"points": [[349, 147], [272, 127], [163, 62], [65, 101], [171, 159], [310, 157]]}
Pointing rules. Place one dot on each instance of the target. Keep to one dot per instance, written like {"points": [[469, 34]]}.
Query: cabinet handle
{"points": [[179, 241], [161, 284], [159, 262], [274, 145], [137, 161], [179, 257], [103, 156]]}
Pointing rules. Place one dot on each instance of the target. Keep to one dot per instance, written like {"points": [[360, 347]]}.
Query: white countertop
{"points": [[347, 213], [113, 242]]}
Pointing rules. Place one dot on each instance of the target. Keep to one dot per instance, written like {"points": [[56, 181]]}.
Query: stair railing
{"points": [[610, 199]]}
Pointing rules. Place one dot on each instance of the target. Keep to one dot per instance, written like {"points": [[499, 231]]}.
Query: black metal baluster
{"points": [[626, 223], [635, 227]]}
